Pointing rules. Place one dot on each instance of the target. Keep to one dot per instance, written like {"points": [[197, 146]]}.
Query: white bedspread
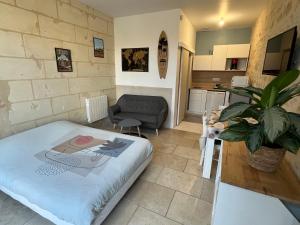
{"points": [[49, 167]]}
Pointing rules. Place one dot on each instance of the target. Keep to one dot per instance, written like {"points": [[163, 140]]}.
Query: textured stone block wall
{"points": [[277, 17], [32, 92]]}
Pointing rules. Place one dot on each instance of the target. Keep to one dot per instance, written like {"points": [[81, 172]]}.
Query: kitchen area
{"points": [[218, 65]]}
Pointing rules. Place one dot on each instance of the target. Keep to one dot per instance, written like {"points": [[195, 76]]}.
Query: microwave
{"points": [[240, 81]]}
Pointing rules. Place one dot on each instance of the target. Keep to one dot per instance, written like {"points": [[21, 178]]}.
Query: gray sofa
{"points": [[152, 111]]}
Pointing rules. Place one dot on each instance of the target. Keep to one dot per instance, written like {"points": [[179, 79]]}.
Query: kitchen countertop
{"points": [[213, 89], [208, 86]]}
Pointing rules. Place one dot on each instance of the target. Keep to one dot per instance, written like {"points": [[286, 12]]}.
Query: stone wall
{"points": [[277, 17], [32, 92]]}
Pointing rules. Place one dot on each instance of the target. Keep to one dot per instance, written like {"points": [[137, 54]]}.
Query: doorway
{"points": [[184, 84], [183, 87]]}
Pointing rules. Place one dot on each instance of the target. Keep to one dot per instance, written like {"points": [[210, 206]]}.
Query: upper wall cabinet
{"points": [[219, 57], [202, 62], [222, 56], [238, 51]]}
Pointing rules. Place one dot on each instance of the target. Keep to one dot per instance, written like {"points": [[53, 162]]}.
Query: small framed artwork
{"points": [[63, 60], [135, 59], [98, 47]]}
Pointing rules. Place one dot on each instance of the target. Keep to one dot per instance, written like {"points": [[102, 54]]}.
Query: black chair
{"points": [[152, 111]]}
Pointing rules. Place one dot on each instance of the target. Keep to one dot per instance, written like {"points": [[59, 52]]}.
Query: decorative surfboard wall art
{"points": [[163, 55]]}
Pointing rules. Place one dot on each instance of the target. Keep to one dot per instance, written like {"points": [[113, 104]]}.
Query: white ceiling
{"points": [[202, 13]]}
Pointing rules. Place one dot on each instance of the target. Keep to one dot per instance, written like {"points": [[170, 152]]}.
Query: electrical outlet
{"points": [[215, 79]]}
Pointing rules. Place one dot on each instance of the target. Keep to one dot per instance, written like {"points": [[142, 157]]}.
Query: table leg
{"points": [[138, 129], [121, 130], [208, 157], [202, 142]]}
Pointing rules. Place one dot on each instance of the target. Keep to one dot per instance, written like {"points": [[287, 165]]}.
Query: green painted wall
{"points": [[205, 40]]}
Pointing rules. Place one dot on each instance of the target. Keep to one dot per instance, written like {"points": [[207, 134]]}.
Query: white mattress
{"points": [[34, 171]]}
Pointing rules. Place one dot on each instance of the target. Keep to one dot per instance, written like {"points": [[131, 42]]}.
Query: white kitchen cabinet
{"points": [[203, 100], [197, 101], [238, 51], [202, 62], [219, 57], [214, 99]]}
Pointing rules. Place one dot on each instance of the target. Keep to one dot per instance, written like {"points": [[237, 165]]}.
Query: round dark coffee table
{"points": [[129, 123]]}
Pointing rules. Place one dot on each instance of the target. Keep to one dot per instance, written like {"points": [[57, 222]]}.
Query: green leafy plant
{"points": [[270, 124]]}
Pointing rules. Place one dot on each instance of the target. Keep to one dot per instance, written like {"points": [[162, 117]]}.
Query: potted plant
{"points": [[267, 129]]}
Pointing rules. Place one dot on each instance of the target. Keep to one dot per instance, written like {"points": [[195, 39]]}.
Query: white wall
{"points": [[187, 33], [143, 31]]}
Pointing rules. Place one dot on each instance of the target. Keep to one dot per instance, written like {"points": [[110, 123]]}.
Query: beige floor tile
{"points": [[192, 136], [184, 142], [122, 214], [146, 217], [196, 189], [174, 138], [12, 212], [193, 168], [151, 196], [38, 220], [189, 153], [163, 147], [170, 161], [189, 210], [180, 181], [208, 188], [190, 117], [151, 173], [189, 127]]}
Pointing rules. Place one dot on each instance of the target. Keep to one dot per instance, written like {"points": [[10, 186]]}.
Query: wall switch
{"points": [[215, 79]]}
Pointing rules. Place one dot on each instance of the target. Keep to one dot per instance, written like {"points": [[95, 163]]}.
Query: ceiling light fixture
{"points": [[221, 22]]}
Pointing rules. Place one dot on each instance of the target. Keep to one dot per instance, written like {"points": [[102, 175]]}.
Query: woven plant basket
{"points": [[266, 159]]}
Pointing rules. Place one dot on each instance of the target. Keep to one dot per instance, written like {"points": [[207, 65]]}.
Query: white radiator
{"points": [[96, 108]]}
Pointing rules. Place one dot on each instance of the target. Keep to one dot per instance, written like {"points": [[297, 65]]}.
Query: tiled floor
{"points": [[169, 192], [189, 127], [189, 117]]}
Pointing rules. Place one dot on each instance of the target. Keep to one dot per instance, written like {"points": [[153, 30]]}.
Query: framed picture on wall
{"points": [[135, 59], [98, 47], [63, 60]]}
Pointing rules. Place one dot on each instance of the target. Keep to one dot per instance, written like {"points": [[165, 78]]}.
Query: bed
{"points": [[71, 174]]}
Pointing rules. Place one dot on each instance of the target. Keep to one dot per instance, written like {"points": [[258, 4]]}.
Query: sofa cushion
{"points": [[152, 111], [142, 104], [138, 116]]}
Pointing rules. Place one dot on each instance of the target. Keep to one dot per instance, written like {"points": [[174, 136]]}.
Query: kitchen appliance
{"points": [[239, 81], [214, 100]]}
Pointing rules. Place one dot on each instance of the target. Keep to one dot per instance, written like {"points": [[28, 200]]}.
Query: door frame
{"points": [[178, 80]]}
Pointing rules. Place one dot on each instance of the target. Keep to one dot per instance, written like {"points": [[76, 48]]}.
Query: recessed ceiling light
{"points": [[221, 22]]}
